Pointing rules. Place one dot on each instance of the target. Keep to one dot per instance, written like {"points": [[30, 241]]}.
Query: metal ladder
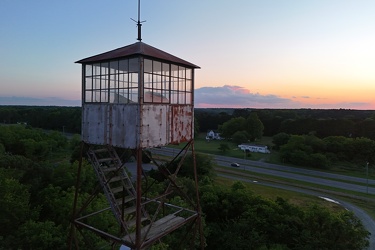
{"points": [[117, 185]]}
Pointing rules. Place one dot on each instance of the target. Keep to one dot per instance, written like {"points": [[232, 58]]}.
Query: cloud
{"points": [[342, 105], [227, 96], [30, 101], [236, 96], [232, 96]]}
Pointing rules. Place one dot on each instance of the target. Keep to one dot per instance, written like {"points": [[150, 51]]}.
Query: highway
{"points": [[361, 185], [344, 182]]}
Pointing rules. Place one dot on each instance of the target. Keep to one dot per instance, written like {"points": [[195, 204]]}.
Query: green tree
{"points": [[224, 147], [40, 235], [237, 219], [366, 128], [318, 160], [64, 175], [241, 112], [280, 139], [203, 163], [17, 162], [295, 143], [57, 139], [317, 144], [254, 126], [204, 167], [336, 144], [299, 157], [305, 150], [14, 200], [325, 230], [36, 150], [2, 149], [196, 127], [240, 137], [227, 129], [363, 150], [75, 141]]}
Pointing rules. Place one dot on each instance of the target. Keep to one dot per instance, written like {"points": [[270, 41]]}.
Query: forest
{"points": [[307, 148], [335, 122], [322, 122], [38, 169]]}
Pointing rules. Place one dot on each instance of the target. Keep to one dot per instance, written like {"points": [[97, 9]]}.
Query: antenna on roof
{"points": [[139, 23]]}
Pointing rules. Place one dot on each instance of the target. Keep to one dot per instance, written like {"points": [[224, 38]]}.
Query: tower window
{"points": [[116, 81]]}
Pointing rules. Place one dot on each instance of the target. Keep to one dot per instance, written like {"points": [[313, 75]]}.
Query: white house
{"points": [[211, 135], [255, 148]]}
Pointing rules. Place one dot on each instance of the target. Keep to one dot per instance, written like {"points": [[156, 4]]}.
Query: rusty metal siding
{"points": [[181, 123], [154, 126], [111, 124], [135, 125], [165, 124]]}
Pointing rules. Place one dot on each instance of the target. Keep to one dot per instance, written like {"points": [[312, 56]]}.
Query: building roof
{"points": [[138, 48]]}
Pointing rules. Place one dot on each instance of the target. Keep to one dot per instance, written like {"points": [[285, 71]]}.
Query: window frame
{"points": [[117, 81]]}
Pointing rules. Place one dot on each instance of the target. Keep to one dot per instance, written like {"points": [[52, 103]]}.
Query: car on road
{"points": [[235, 164]]}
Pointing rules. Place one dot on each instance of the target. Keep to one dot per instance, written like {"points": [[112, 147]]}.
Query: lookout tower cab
{"points": [[137, 96]]}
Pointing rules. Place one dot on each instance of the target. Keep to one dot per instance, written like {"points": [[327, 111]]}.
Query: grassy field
{"points": [[366, 202], [212, 147], [295, 198]]}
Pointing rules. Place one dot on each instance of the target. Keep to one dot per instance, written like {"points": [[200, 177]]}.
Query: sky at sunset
{"points": [[252, 54]]}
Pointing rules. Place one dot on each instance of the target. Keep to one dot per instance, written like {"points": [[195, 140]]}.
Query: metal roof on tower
{"points": [[138, 48]]}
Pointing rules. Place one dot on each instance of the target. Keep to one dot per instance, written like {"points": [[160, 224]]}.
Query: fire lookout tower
{"points": [[137, 98]]}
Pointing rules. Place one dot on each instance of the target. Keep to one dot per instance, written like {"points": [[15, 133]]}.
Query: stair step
{"points": [[128, 199], [130, 210], [124, 184], [100, 150], [108, 169], [116, 183], [117, 189], [105, 159], [116, 178]]}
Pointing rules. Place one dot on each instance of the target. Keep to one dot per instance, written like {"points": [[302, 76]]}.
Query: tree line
{"points": [[311, 138], [311, 151], [64, 119], [339, 122], [332, 122], [339, 135], [37, 186]]}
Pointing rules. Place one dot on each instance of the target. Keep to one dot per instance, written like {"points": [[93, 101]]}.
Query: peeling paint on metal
{"points": [[135, 125]]}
